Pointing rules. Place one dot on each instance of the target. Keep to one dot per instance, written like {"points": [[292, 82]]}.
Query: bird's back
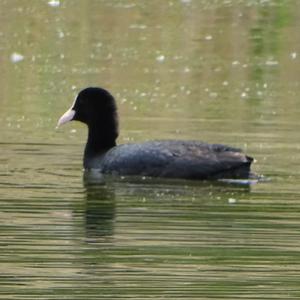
{"points": [[176, 159]]}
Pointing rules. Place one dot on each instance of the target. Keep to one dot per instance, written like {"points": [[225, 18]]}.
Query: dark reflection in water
{"points": [[100, 207]]}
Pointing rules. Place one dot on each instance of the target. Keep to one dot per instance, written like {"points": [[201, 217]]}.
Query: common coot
{"points": [[96, 107]]}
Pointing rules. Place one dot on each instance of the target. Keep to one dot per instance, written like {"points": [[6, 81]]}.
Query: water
{"points": [[219, 71]]}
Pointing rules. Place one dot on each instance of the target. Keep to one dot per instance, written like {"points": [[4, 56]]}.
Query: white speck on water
{"points": [[61, 34], [137, 26], [259, 93], [235, 63], [54, 3], [186, 1], [73, 130], [208, 37], [62, 56], [126, 6], [271, 63], [225, 83], [188, 92], [160, 58], [186, 70], [293, 55], [213, 94], [16, 57], [244, 95], [135, 108], [231, 201], [265, 85]]}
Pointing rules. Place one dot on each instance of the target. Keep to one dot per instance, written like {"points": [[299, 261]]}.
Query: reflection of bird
{"points": [[100, 208], [96, 107]]}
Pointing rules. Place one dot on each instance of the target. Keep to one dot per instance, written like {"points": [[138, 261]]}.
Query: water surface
{"points": [[219, 71]]}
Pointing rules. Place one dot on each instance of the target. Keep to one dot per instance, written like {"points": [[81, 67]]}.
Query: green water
{"points": [[219, 71]]}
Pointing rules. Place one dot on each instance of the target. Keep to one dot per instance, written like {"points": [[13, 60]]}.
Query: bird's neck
{"points": [[99, 141]]}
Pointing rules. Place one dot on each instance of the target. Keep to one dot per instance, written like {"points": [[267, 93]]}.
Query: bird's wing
{"points": [[177, 159]]}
